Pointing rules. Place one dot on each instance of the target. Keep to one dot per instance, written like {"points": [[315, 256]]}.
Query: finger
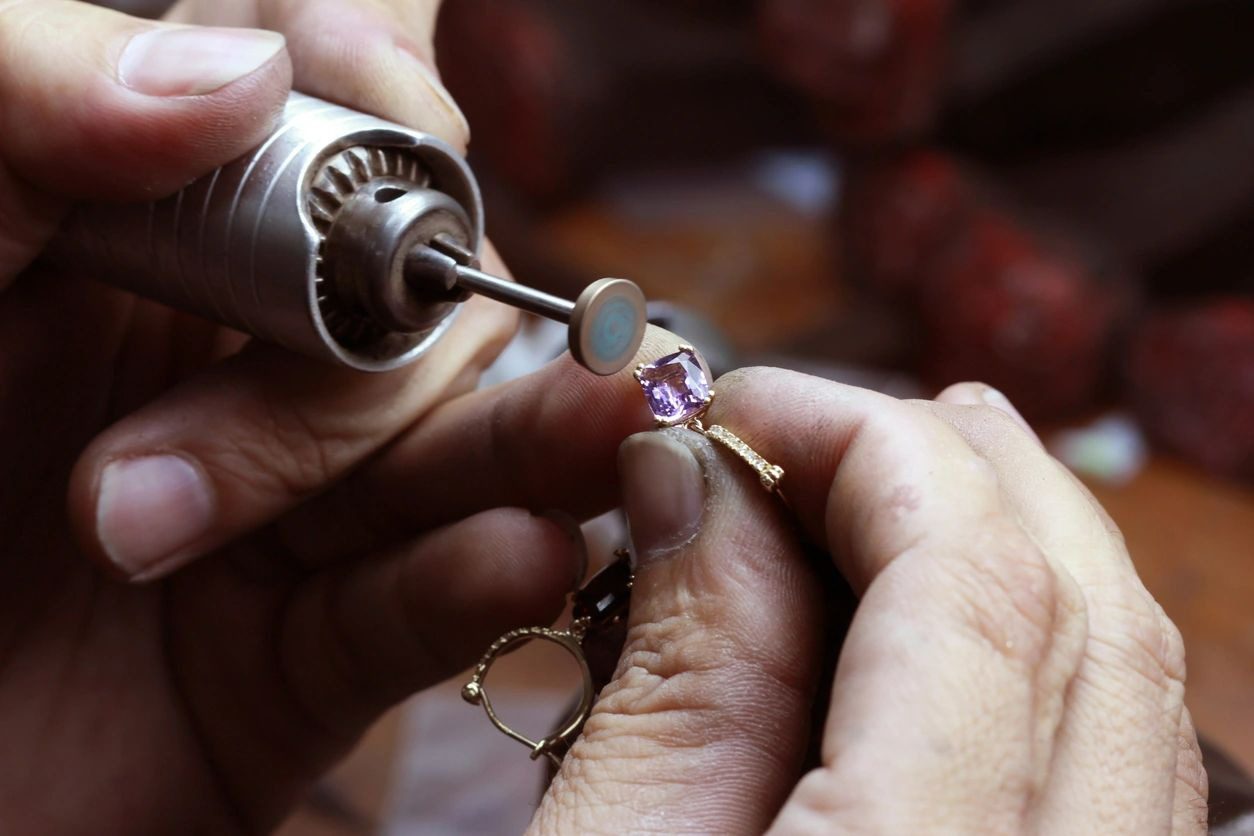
{"points": [[704, 725], [231, 449], [215, 13], [227, 452], [981, 394], [345, 644], [1053, 504], [1189, 811], [100, 105], [363, 636], [376, 56], [548, 440], [549, 433], [951, 682], [1121, 739]]}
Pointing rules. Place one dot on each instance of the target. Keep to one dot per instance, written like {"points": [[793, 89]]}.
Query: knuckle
{"points": [[1011, 596], [282, 449], [996, 420], [660, 673], [965, 388], [982, 421], [984, 475], [1133, 632], [1172, 647], [1190, 771], [306, 453], [684, 687], [819, 801]]}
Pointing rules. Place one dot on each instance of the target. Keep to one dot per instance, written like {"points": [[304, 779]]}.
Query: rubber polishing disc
{"points": [[607, 326]]}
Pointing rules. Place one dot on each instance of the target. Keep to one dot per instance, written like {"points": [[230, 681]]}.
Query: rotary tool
{"points": [[342, 236]]}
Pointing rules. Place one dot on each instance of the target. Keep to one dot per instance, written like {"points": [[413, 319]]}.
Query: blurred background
{"points": [[1055, 197]]}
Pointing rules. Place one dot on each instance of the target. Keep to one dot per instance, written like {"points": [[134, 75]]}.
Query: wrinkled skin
{"points": [[1005, 671]]}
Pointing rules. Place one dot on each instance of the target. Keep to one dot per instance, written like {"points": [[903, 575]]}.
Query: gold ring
{"points": [[602, 603], [554, 745], [677, 389]]}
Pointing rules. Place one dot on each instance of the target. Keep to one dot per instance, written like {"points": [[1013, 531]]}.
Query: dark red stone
{"points": [[872, 68], [1034, 316], [607, 595], [901, 216], [1191, 379]]}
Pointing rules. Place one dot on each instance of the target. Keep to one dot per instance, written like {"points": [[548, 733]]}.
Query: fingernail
{"points": [[457, 131], [194, 60], [149, 509], [663, 492], [997, 400], [574, 532]]}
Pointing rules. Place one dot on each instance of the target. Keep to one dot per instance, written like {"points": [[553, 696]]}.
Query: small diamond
{"points": [[675, 387]]}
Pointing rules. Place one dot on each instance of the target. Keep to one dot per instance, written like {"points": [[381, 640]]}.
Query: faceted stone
{"points": [[675, 387], [607, 595]]}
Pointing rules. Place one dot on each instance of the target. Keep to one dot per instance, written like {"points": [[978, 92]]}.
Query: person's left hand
{"points": [[206, 702]]}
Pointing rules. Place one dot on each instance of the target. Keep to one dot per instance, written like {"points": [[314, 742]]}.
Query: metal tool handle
{"points": [[244, 245]]}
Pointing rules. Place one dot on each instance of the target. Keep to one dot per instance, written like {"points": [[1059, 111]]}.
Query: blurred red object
{"points": [[1191, 376], [901, 218], [872, 68], [509, 66], [562, 93], [992, 299], [1032, 317]]}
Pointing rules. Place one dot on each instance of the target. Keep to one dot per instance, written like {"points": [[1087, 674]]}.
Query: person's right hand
{"points": [[206, 701], [1006, 671]]}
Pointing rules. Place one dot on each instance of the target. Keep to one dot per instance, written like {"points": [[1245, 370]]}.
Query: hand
{"points": [[1005, 670], [207, 702]]}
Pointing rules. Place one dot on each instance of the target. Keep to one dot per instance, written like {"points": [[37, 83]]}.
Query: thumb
{"points": [[704, 726], [99, 105]]}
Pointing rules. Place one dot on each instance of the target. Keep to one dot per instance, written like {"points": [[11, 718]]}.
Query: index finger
{"points": [[98, 105], [374, 55], [544, 441], [550, 440]]}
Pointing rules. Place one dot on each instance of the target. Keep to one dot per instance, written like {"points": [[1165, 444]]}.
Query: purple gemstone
{"points": [[675, 387]]}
